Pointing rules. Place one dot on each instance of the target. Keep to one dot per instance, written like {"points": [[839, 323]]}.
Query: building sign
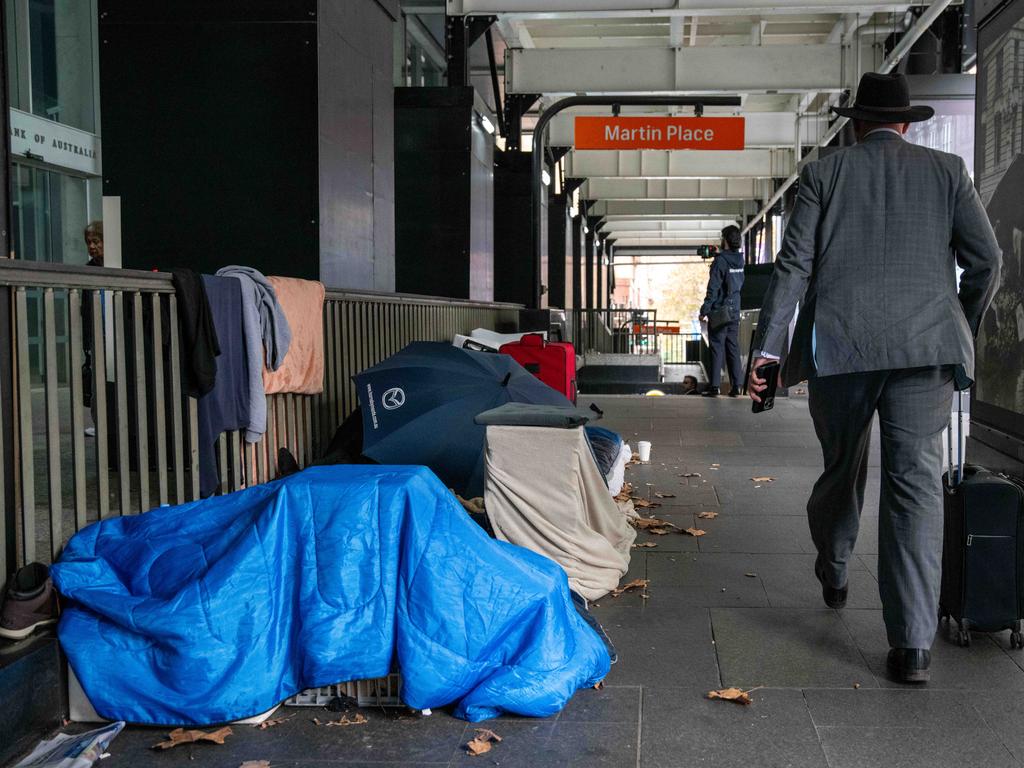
{"points": [[54, 144], [640, 132]]}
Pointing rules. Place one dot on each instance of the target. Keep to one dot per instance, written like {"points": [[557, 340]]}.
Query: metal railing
{"points": [[677, 348], [56, 479], [624, 331]]}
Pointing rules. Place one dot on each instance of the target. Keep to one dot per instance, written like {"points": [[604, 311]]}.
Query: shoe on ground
{"points": [[834, 597], [909, 665], [90, 431], [710, 392], [734, 392], [30, 602]]}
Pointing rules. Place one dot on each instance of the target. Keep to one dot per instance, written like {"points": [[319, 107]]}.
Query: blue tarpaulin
{"points": [[217, 610]]}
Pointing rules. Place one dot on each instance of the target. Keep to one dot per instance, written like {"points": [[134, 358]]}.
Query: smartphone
{"points": [[770, 373]]}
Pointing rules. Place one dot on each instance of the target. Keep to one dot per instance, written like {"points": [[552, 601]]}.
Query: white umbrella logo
{"points": [[392, 399]]}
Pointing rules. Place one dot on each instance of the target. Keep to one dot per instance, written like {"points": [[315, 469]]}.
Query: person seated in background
{"points": [[689, 385], [721, 311], [94, 243]]}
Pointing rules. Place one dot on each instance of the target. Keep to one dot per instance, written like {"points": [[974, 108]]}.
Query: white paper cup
{"points": [[644, 449]]}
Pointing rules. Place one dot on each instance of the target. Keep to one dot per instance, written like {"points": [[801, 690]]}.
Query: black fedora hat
{"points": [[884, 99]]}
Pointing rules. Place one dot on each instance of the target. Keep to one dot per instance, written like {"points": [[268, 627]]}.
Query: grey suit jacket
{"points": [[869, 254]]}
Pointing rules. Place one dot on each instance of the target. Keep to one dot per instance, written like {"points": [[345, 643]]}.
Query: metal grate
{"points": [[378, 692]]}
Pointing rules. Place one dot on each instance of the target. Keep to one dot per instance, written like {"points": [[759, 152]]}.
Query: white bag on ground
{"points": [[617, 474], [545, 492]]}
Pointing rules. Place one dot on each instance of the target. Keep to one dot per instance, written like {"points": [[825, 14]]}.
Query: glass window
{"points": [[49, 212], [61, 54], [14, 64]]}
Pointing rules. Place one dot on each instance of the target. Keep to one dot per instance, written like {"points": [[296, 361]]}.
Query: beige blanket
{"points": [[302, 371], [545, 492]]}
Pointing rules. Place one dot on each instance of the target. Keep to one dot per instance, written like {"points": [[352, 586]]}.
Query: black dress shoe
{"points": [[734, 392], [710, 392], [834, 598], [909, 665]]}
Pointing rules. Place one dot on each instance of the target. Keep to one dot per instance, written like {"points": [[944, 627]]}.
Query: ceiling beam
{"points": [[560, 9], [689, 70], [626, 242], [672, 189], [680, 164], [654, 227], [639, 209]]}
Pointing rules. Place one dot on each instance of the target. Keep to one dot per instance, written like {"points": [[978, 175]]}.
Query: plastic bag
{"points": [[68, 750]]}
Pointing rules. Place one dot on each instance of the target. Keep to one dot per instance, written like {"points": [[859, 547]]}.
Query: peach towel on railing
{"points": [[302, 371]]}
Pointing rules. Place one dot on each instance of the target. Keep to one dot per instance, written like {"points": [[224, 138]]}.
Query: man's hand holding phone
{"points": [[764, 379]]}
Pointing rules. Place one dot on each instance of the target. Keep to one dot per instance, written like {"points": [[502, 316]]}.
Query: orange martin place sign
{"points": [[638, 132]]}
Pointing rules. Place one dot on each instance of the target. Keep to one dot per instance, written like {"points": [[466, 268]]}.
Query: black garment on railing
{"points": [[199, 343], [226, 406]]}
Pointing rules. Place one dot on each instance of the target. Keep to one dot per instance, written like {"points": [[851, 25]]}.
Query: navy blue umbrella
{"points": [[418, 408]]}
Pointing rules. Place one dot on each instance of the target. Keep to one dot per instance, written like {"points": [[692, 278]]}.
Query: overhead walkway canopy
{"points": [[788, 61]]}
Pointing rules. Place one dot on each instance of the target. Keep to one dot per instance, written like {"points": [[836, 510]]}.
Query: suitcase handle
{"points": [[956, 479], [532, 340]]}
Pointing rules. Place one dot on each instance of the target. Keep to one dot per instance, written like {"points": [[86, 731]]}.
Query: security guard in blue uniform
{"points": [[721, 311]]}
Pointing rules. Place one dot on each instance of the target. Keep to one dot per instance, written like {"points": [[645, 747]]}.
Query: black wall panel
{"points": [[558, 248], [209, 133], [513, 230], [444, 195]]}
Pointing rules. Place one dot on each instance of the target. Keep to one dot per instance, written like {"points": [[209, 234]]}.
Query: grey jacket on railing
{"points": [[870, 254]]}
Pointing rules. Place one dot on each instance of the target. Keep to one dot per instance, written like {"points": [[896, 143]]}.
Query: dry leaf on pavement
{"points": [[765, 479], [255, 764], [634, 584], [481, 743], [647, 523], [750, 575], [664, 495], [271, 723], [642, 503], [691, 474], [645, 545], [732, 694], [694, 532], [181, 736], [707, 515], [357, 719]]}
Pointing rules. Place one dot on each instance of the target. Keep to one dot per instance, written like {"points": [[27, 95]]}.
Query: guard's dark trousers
{"points": [[725, 347], [913, 407]]}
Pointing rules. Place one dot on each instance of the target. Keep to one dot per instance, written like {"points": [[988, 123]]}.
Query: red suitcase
{"points": [[553, 362]]}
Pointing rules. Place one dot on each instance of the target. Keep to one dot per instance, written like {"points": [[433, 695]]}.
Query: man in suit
{"points": [[723, 294], [870, 255]]}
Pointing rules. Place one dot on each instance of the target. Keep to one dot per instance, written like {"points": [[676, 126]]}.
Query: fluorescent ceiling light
{"points": [[487, 124], [545, 177]]}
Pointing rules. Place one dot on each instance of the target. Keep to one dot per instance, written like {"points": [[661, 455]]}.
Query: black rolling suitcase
{"points": [[983, 549]]}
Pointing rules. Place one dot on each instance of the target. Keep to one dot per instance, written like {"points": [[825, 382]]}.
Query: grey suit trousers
{"points": [[913, 407]]}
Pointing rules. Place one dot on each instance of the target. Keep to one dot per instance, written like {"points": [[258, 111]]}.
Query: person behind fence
{"points": [[93, 236], [721, 311], [870, 254]]}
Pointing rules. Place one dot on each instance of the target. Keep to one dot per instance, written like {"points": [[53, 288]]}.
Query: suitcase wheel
{"points": [[963, 638], [1016, 640]]}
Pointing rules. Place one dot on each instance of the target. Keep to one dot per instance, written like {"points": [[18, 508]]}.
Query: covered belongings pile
{"points": [[544, 491], [219, 609], [419, 405]]}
